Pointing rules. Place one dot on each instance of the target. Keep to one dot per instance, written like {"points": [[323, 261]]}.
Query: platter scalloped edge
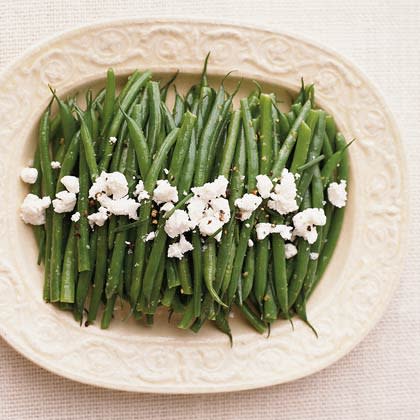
{"points": [[375, 223]]}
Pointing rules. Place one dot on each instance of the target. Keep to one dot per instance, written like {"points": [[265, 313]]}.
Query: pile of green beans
{"points": [[88, 271]]}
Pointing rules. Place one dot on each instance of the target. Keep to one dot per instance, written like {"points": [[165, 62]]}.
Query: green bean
{"points": [[337, 221], [154, 299], [291, 117], [48, 190], [284, 126], [302, 260], [330, 128], [181, 148], [302, 147], [140, 145], [289, 142], [164, 89], [82, 207], [222, 324], [250, 316], [124, 102], [144, 109], [100, 273], [68, 274], [270, 306], [206, 100], [55, 126], [249, 273], [155, 116], [229, 149], [68, 123], [209, 271], [142, 230], [311, 163], [167, 118], [327, 147], [198, 274], [83, 281], [88, 147], [168, 297], [128, 263], [279, 268], [56, 256], [172, 275], [207, 137], [334, 161], [185, 276], [187, 317], [203, 79], [109, 102], [179, 108], [108, 312]]}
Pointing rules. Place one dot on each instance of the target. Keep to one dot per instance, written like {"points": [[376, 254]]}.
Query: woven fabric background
{"points": [[380, 379]]}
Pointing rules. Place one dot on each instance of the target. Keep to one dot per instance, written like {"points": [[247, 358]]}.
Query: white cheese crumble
{"points": [[166, 171], [250, 243], [75, 217], [164, 192], [99, 218], [71, 183], [33, 208], [305, 223], [29, 175], [289, 251], [55, 164], [313, 255], [64, 202], [167, 207], [264, 229], [283, 199], [150, 236], [114, 183], [247, 205], [211, 190], [140, 192], [264, 185], [207, 209], [337, 194], [124, 206], [112, 140], [178, 223], [178, 249]]}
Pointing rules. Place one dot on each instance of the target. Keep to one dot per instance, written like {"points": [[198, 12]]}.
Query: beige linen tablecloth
{"points": [[380, 379]]}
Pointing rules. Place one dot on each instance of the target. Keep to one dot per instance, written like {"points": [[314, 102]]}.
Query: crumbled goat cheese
{"points": [[32, 210], [166, 171], [164, 192], [250, 243], [64, 202], [29, 175], [305, 223], [112, 140], [247, 205], [150, 236], [124, 206], [71, 183], [284, 231], [289, 251], [140, 192], [337, 194], [210, 224], [178, 223], [313, 255], [211, 190], [167, 207], [75, 217], [264, 229], [114, 183], [99, 218], [178, 249], [264, 185], [55, 164], [196, 208], [283, 199]]}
